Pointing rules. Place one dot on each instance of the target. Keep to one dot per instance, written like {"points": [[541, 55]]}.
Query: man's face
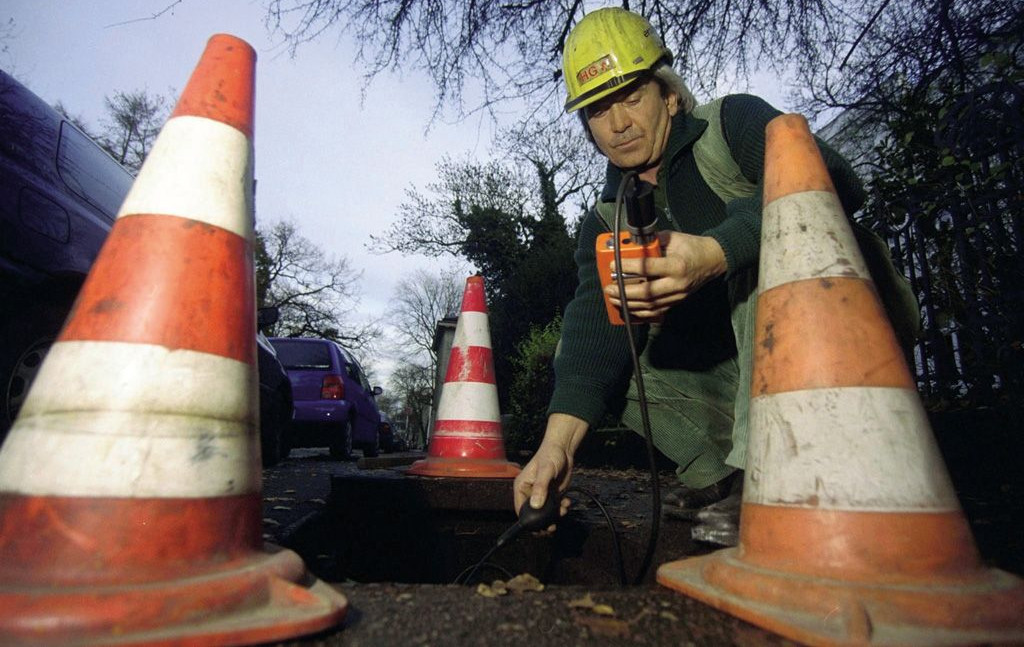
{"points": [[631, 126]]}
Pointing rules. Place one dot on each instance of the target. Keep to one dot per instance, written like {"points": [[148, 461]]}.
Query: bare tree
{"points": [[420, 300], [433, 224], [414, 385], [498, 52], [133, 121], [566, 164], [314, 291]]}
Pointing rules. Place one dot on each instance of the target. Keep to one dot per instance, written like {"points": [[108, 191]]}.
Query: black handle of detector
{"points": [[531, 518]]}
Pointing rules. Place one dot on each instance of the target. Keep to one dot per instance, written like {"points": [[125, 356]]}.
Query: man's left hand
{"points": [[688, 263]]}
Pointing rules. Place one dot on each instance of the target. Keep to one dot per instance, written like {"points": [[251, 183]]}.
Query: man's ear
{"points": [[672, 103]]}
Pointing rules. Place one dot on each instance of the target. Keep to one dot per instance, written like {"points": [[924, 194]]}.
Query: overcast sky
{"points": [[332, 158]]}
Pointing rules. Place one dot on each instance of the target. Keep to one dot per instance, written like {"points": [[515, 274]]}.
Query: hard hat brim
{"points": [[603, 90]]}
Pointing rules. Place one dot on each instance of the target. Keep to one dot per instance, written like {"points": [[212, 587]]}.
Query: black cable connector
{"points": [[531, 518]]}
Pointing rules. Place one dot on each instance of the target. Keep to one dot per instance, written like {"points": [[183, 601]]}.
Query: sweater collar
{"points": [[685, 130]]}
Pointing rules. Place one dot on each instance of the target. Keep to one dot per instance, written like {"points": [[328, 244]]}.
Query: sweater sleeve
{"points": [[593, 359], [744, 118]]}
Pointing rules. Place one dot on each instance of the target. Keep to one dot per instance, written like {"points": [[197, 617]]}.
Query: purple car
{"points": [[334, 402]]}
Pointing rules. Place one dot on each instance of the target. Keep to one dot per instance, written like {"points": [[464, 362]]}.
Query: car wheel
{"points": [[341, 443], [26, 340], [270, 434], [372, 451]]}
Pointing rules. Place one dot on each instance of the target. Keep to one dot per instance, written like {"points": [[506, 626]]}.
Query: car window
{"points": [[90, 172], [304, 355]]}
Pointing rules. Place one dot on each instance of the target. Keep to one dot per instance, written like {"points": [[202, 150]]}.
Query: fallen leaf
{"points": [[491, 591], [524, 582], [605, 627], [603, 610], [586, 602]]}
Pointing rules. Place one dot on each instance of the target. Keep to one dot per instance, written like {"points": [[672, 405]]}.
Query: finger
{"points": [[540, 485], [523, 485], [646, 266], [563, 509], [643, 292]]}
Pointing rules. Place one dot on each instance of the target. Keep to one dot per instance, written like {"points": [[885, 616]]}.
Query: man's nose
{"points": [[620, 120]]}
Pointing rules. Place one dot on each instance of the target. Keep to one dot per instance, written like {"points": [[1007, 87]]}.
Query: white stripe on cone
{"points": [[198, 169], [827, 247], [187, 433], [468, 401], [887, 463], [472, 330]]}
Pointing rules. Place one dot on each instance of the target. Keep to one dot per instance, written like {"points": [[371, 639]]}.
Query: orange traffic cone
{"points": [[850, 531], [130, 508], [467, 439]]}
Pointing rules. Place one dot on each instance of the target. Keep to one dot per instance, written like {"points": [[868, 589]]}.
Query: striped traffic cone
{"points": [[130, 508], [467, 439], [850, 532]]}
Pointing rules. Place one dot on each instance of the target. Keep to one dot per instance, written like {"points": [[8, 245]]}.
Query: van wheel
{"points": [[26, 341], [341, 443]]}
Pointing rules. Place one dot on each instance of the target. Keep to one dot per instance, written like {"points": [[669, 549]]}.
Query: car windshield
{"points": [[300, 354]]}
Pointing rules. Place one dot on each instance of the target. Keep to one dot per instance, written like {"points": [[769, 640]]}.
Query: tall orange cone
{"points": [[467, 439], [850, 531], [130, 508]]}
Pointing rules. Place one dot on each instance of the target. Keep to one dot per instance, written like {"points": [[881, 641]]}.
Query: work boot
{"points": [[684, 502], [719, 523]]}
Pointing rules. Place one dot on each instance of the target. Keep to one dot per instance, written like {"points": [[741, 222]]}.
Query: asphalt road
{"points": [[297, 490]]}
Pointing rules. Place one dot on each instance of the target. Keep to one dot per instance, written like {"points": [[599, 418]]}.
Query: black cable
{"points": [[476, 567], [619, 562], [652, 539]]}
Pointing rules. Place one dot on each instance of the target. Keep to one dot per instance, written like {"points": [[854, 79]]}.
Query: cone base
{"points": [[464, 468], [982, 607], [263, 598]]}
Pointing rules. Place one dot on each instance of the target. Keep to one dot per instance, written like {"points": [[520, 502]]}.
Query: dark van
{"points": [[59, 195]]}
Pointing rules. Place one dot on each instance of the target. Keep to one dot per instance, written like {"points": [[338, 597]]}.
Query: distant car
{"points": [[276, 408], [335, 406]]}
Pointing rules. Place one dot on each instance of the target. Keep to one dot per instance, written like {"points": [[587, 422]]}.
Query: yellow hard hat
{"points": [[606, 50]]}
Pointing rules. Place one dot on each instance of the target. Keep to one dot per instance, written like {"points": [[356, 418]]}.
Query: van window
{"points": [[90, 172], [302, 354]]}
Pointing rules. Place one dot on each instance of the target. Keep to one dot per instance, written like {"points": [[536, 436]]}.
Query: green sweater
{"points": [[593, 366]]}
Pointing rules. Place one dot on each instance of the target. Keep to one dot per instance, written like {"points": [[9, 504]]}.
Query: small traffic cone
{"points": [[467, 439], [130, 508], [850, 531]]}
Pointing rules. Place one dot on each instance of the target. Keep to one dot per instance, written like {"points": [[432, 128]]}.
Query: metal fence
{"points": [[961, 247]]}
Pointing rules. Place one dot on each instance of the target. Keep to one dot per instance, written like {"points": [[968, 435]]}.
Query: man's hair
{"points": [[668, 80]]}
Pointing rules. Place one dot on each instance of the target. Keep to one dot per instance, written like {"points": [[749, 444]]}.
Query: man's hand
{"points": [[689, 262], [550, 469]]}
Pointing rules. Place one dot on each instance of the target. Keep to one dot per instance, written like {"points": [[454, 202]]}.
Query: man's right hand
{"points": [[550, 469]]}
